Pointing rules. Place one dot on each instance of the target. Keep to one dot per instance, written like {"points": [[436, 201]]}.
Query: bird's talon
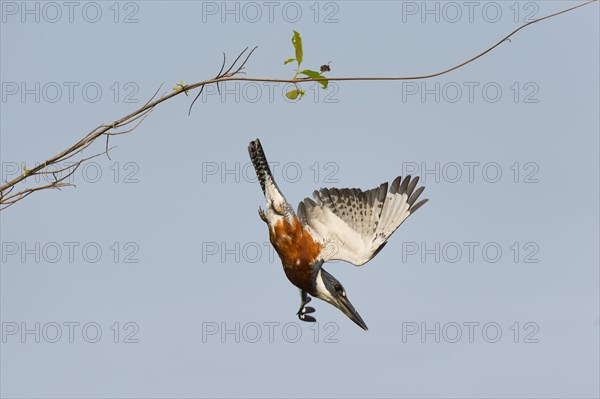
{"points": [[262, 215]]}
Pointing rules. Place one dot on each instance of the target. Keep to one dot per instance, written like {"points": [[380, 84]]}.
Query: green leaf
{"points": [[288, 61], [297, 42], [293, 94], [316, 75]]}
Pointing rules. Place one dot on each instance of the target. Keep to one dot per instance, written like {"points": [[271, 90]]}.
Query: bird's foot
{"points": [[303, 313], [262, 215]]}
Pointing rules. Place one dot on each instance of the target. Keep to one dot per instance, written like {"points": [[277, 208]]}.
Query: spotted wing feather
{"points": [[352, 224]]}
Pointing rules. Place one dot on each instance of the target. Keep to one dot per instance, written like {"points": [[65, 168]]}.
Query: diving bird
{"points": [[339, 224]]}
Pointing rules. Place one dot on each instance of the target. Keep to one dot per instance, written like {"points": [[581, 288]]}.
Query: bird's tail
{"points": [[259, 160]]}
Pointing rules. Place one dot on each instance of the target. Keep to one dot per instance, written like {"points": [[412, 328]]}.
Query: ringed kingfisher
{"points": [[339, 224]]}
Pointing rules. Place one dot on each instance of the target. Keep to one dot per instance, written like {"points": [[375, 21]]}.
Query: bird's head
{"points": [[329, 289]]}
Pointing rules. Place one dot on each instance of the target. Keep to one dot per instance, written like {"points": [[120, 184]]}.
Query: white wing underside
{"points": [[352, 224]]}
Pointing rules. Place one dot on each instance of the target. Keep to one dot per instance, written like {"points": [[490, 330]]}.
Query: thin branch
{"points": [[245, 61], [226, 73], [222, 75], [108, 130], [218, 88], [106, 147], [143, 116]]}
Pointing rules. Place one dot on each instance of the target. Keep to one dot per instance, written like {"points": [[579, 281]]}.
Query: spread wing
{"points": [[354, 225]]}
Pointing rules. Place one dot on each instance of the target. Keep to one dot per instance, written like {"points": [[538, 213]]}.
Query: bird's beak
{"points": [[346, 307]]}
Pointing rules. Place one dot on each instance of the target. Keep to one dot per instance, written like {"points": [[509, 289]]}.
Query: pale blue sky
{"points": [[179, 198]]}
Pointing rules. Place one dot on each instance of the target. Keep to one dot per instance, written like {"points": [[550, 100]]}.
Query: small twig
{"points": [[130, 130], [226, 73], [106, 148], [222, 75], [245, 61], [219, 74]]}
